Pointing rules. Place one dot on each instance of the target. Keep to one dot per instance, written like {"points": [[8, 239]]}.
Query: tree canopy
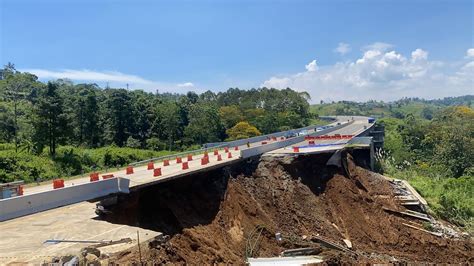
{"points": [[38, 115]]}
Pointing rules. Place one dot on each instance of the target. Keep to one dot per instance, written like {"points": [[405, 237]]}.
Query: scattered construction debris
{"points": [[100, 243], [409, 213], [423, 230], [299, 260], [300, 252], [331, 244]]}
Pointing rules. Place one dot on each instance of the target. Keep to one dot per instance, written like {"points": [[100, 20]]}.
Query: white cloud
{"points": [[383, 75], [470, 53], [186, 85], [378, 46], [342, 48], [419, 54], [112, 78], [312, 66]]}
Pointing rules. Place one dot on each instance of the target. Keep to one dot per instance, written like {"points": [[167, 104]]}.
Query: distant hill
{"points": [[399, 109]]}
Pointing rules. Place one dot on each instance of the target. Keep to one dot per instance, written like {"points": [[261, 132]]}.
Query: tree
{"points": [[118, 118], [242, 130], [449, 140], [51, 125], [16, 87], [168, 124], [204, 124], [230, 115], [133, 143], [86, 115]]}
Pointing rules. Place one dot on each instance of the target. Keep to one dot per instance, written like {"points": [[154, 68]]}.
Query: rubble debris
{"points": [[69, 260], [300, 252], [158, 241], [331, 244], [348, 243], [90, 250]]}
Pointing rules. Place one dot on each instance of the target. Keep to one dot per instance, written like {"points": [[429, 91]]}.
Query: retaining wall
{"points": [[24, 205]]}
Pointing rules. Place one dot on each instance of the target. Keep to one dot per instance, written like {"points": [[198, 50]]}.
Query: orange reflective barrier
{"points": [[311, 142], [204, 160], [264, 142], [179, 160], [216, 152], [229, 155], [129, 170], [185, 165], [236, 148], [157, 172], [150, 166], [107, 176], [190, 157], [94, 177], [226, 149], [166, 162], [20, 190], [274, 138], [58, 183], [219, 157], [296, 149]]}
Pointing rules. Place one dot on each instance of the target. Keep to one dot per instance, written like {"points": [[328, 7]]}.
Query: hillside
{"points": [[430, 143]]}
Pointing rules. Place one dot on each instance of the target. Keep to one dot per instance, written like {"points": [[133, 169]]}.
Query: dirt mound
{"points": [[223, 218]]}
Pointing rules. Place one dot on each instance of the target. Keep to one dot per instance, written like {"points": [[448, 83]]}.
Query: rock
{"points": [[89, 250], [69, 260], [92, 259]]}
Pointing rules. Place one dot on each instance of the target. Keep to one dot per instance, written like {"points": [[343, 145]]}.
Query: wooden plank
{"points": [[423, 230], [409, 214]]}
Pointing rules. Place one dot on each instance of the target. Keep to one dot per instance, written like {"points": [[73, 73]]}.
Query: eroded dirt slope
{"points": [[225, 216]]}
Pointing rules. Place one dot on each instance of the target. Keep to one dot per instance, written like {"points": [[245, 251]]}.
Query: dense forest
{"points": [[60, 128], [428, 142]]}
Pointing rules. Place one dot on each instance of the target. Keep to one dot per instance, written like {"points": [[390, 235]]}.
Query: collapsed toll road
{"points": [[264, 207]]}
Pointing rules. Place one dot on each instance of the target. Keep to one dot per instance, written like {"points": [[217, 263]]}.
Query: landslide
{"points": [[226, 215]]}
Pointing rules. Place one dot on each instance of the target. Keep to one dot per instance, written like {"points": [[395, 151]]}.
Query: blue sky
{"points": [[200, 45]]}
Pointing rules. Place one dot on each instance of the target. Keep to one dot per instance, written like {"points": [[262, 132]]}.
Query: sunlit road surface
{"points": [[22, 239]]}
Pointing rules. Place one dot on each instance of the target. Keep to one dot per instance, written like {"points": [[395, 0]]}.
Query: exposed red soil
{"points": [[299, 198]]}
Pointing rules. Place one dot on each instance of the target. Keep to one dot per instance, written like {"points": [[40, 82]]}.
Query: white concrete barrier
{"points": [[24, 205], [280, 144], [241, 142]]}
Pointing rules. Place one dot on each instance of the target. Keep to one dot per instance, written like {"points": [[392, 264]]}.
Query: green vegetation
{"points": [[428, 143], [60, 128], [242, 130]]}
